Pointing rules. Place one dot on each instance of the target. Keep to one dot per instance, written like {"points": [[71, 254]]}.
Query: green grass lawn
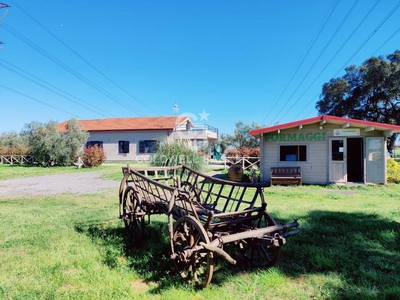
{"points": [[74, 247], [110, 170]]}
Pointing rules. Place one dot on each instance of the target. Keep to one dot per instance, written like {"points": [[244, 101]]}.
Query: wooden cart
{"points": [[204, 214]]}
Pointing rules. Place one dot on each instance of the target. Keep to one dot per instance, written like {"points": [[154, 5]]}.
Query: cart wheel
{"points": [[132, 215], [197, 266], [261, 255], [122, 189]]}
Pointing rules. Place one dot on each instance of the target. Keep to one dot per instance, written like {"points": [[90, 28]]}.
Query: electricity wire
{"points": [[37, 100], [360, 47], [308, 50], [369, 37], [316, 60], [82, 58], [385, 42], [64, 66], [330, 61], [50, 87]]}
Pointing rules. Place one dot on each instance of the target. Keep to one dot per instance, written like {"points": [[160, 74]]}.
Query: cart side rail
{"points": [[223, 195], [205, 193], [162, 194]]}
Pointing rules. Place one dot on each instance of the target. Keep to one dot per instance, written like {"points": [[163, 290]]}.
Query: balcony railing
{"points": [[197, 131]]}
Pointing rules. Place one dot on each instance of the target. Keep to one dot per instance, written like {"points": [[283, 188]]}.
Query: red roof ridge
{"points": [[354, 122]]}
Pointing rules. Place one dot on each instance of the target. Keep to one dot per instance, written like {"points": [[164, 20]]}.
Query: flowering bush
{"points": [[93, 156], [243, 152], [393, 171], [15, 150]]}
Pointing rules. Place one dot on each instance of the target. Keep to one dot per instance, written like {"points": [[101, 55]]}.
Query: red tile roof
{"points": [[125, 124], [331, 120]]}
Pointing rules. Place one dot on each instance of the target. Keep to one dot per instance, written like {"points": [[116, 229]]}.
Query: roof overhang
{"points": [[320, 121], [129, 124]]}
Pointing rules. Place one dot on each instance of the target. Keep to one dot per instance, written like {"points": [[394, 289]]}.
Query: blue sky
{"points": [[221, 61]]}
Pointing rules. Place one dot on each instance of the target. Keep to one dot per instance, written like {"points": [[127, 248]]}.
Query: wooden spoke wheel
{"points": [[258, 254], [122, 189], [132, 215], [196, 266]]}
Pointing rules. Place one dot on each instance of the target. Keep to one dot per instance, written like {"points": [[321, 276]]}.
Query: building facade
{"points": [[328, 149], [135, 139]]}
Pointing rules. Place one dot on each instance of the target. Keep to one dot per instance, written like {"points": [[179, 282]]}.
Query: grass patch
{"points": [[109, 170], [74, 247]]}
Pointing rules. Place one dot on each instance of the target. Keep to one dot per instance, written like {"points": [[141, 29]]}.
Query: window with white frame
{"points": [[293, 153]]}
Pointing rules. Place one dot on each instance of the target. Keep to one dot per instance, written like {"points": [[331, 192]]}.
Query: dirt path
{"points": [[84, 183]]}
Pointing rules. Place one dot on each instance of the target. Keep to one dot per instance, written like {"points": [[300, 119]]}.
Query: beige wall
{"points": [[316, 169], [110, 141]]}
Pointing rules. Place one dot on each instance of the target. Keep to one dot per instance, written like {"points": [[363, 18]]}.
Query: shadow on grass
{"points": [[362, 249], [150, 258]]}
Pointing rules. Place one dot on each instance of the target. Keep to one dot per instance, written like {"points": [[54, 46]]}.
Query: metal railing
{"points": [[197, 127]]}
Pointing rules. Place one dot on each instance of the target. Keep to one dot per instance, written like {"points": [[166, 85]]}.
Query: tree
{"points": [[241, 137], [12, 143], [75, 138], [51, 147], [370, 92], [12, 139]]}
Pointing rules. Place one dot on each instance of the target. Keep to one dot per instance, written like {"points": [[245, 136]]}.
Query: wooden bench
{"points": [[285, 175]]}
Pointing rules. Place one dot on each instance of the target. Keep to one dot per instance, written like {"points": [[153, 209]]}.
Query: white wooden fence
{"points": [[16, 159], [246, 162]]}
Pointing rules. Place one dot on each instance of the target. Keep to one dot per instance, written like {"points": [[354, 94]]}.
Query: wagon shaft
{"points": [[255, 233], [257, 237]]}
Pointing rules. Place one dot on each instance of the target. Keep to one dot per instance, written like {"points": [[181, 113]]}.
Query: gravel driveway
{"points": [[85, 183]]}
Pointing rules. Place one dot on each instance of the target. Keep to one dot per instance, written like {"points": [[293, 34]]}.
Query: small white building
{"points": [[328, 149], [134, 139]]}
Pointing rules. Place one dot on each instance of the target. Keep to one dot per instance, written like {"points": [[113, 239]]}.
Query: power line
{"points": [[50, 87], [64, 66], [81, 57], [37, 100], [385, 42], [308, 49], [369, 37], [330, 61], [361, 46], [318, 58]]}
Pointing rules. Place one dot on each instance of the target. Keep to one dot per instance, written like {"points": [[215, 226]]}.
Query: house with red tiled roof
{"points": [[327, 149], [135, 139]]}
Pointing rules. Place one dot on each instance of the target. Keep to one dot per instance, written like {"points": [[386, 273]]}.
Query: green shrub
{"points": [[172, 152], [93, 156], [393, 171], [50, 147]]}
